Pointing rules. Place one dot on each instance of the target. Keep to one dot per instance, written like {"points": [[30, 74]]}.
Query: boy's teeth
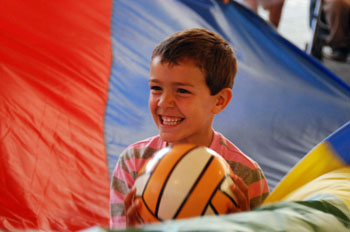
{"points": [[170, 121]]}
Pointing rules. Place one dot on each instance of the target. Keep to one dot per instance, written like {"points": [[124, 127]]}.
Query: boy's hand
{"points": [[240, 191], [131, 207]]}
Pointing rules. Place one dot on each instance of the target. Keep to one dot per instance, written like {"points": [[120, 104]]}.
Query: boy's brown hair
{"points": [[208, 50]]}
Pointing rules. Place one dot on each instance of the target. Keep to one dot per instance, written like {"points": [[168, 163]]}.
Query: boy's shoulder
{"points": [[229, 151]]}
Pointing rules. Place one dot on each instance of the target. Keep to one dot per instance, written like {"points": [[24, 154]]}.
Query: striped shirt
{"points": [[134, 157]]}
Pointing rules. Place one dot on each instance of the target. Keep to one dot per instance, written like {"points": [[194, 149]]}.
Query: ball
{"points": [[183, 181]]}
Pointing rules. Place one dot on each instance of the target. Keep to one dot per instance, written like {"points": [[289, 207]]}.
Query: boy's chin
{"points": [[170, 139], [167, 139], [173, 141]]}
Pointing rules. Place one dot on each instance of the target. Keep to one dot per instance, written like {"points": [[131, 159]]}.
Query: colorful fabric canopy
{"points": [[74, 89], [284, 102]]}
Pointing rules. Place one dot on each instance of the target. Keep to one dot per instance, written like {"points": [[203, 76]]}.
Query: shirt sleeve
{"points": [[121, 183], [258, 188]]}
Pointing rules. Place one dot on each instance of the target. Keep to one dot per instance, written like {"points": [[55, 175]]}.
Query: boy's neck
{"points": [[206, 144]]}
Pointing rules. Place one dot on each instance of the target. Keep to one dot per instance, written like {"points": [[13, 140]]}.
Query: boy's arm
{"points": [[255, 181], [248, 197], [240, 191], [258, 188], [131, 209], [117, 195], [121, 180]]}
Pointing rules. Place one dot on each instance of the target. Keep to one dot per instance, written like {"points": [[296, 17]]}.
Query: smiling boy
{"points": [[181, 104], [191, 80]]}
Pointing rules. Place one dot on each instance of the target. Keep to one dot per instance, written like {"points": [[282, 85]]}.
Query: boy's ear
{"points": [[222, 99]]}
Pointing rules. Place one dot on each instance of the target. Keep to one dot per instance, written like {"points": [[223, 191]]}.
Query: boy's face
{"points": [[180, 102]]}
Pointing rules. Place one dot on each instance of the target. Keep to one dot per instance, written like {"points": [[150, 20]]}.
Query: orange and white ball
{"points": [[184, 181]]}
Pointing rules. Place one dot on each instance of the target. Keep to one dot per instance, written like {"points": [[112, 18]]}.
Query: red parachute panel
{"points": [[55, 59]]}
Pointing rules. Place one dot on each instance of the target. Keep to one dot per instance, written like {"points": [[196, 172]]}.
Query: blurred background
{"points": [[294, 26]]}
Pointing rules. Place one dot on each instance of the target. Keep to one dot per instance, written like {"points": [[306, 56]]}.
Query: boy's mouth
{"points": [[170, 121]]}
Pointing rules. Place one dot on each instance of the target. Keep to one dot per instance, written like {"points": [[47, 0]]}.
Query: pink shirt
{"points": [[134, 157]]}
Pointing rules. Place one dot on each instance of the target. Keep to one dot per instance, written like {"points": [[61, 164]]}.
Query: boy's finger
{"points": [[231, 209], [132, 215], [129, 197], [241, 197], [241, 184]]}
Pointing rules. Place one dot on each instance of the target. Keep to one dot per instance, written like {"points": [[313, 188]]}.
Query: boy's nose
{"points": [[166, 100]]}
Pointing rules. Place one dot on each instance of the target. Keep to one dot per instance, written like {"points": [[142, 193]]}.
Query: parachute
{"points": [[74, 89]]}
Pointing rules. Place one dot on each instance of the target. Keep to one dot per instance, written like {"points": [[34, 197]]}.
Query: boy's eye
{"points": [[183, 91], [155, 88]]}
